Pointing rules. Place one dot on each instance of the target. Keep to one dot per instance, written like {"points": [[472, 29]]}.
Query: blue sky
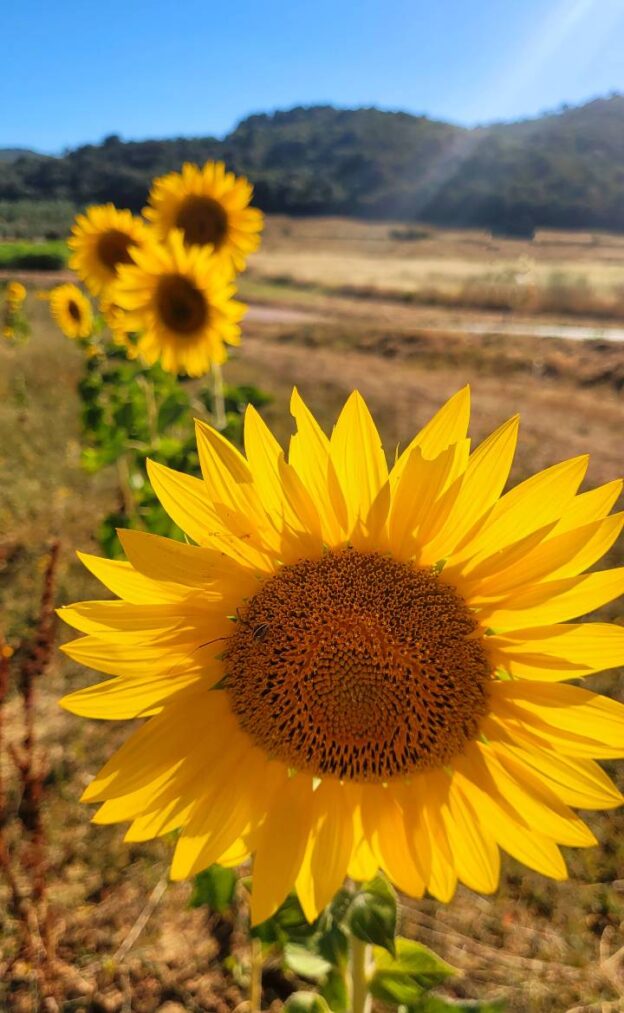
{"points": [[76, 70]]}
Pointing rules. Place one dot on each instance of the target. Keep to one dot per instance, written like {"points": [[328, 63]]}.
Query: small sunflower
{"points": [[15, 295], [72, 311], [357, 668], [101, 241], [181, 304], [210, 206]]}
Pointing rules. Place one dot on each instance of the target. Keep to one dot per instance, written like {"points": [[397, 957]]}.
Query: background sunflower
{"points": [[72, 311], [101, 241], [211, 206], [181, 303]]}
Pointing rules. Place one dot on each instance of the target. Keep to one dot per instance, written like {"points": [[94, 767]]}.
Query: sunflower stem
{"points": [[359, 959], [151, 408], [255, 977], [218, 407]]}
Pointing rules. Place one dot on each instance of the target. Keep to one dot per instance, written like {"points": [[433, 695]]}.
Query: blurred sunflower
{"points": [[72, 311], [101, 240], [181, 304], [210, 206], [357, 668], [15, 295]]}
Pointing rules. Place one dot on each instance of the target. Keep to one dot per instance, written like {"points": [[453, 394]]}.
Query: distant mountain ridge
{"points": [[12, 154], [563, 170]]}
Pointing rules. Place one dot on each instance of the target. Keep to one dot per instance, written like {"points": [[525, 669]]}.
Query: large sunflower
{"points": [[209, 205], [356, 669], [72, 311], [102, 240], [181, 303]]}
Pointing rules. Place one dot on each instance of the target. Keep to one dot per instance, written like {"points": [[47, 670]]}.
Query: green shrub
{"points": [[50, 256]]}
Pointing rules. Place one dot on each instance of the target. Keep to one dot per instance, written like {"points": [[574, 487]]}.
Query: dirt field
{"points": [[542, 946]]}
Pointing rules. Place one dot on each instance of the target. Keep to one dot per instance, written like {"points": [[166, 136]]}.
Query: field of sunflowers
{"points": [[339, 721]]}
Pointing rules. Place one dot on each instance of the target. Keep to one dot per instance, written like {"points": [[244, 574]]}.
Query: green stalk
{"points": [[359, 959], [219, 399]]}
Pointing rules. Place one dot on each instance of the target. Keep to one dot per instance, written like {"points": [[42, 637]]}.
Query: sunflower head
{"points": [[72, 311], [15, 294], [182, 304], [102, 240], [351, 667], [211, 207]]}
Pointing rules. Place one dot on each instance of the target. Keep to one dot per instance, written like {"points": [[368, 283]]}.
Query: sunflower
{"points": [[72, 311], [15, 295], [210, 206], [102, 240], [355, 668], [182, 304]]}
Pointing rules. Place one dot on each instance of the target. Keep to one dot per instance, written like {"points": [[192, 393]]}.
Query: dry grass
{"points": [[578, 275], [536, 943]]}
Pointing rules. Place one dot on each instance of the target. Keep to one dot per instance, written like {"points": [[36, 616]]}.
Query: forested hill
{"points": [[559, 170]]}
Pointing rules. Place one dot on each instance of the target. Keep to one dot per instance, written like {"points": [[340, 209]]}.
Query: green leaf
{"points": [[335, 992], [373, 914], [172, 409], [305, 962], [306, 1002], [396, 988], [215, 888], [425, 967], [333, 944]]}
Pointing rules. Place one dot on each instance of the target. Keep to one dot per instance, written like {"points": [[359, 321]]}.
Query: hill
{"points": [[563, 170], [12, 154]]}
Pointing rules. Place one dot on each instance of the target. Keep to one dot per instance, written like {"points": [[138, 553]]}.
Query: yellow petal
{"points": [[310, 457], [184, 498], [448, 426], [326, 859], [577, 721], [122, 699], [220, 819], [538, 501], [579, 783], [590, 506], [442, 875], [111, 617], [287, 502], [483, 481], [554, 653], [194, 715], [281, 847], [124, 581], [557, 557], [531, 798], [358, 457], [512, 833], [193, 565], [416, 497], [384, 826], [229, 486], [554, 601], [475, 854]]}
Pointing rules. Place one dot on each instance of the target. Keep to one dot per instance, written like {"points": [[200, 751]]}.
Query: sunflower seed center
{"points": [[181, 307], [74, 311], [203, 220], [113, 249], [358, 666]]}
